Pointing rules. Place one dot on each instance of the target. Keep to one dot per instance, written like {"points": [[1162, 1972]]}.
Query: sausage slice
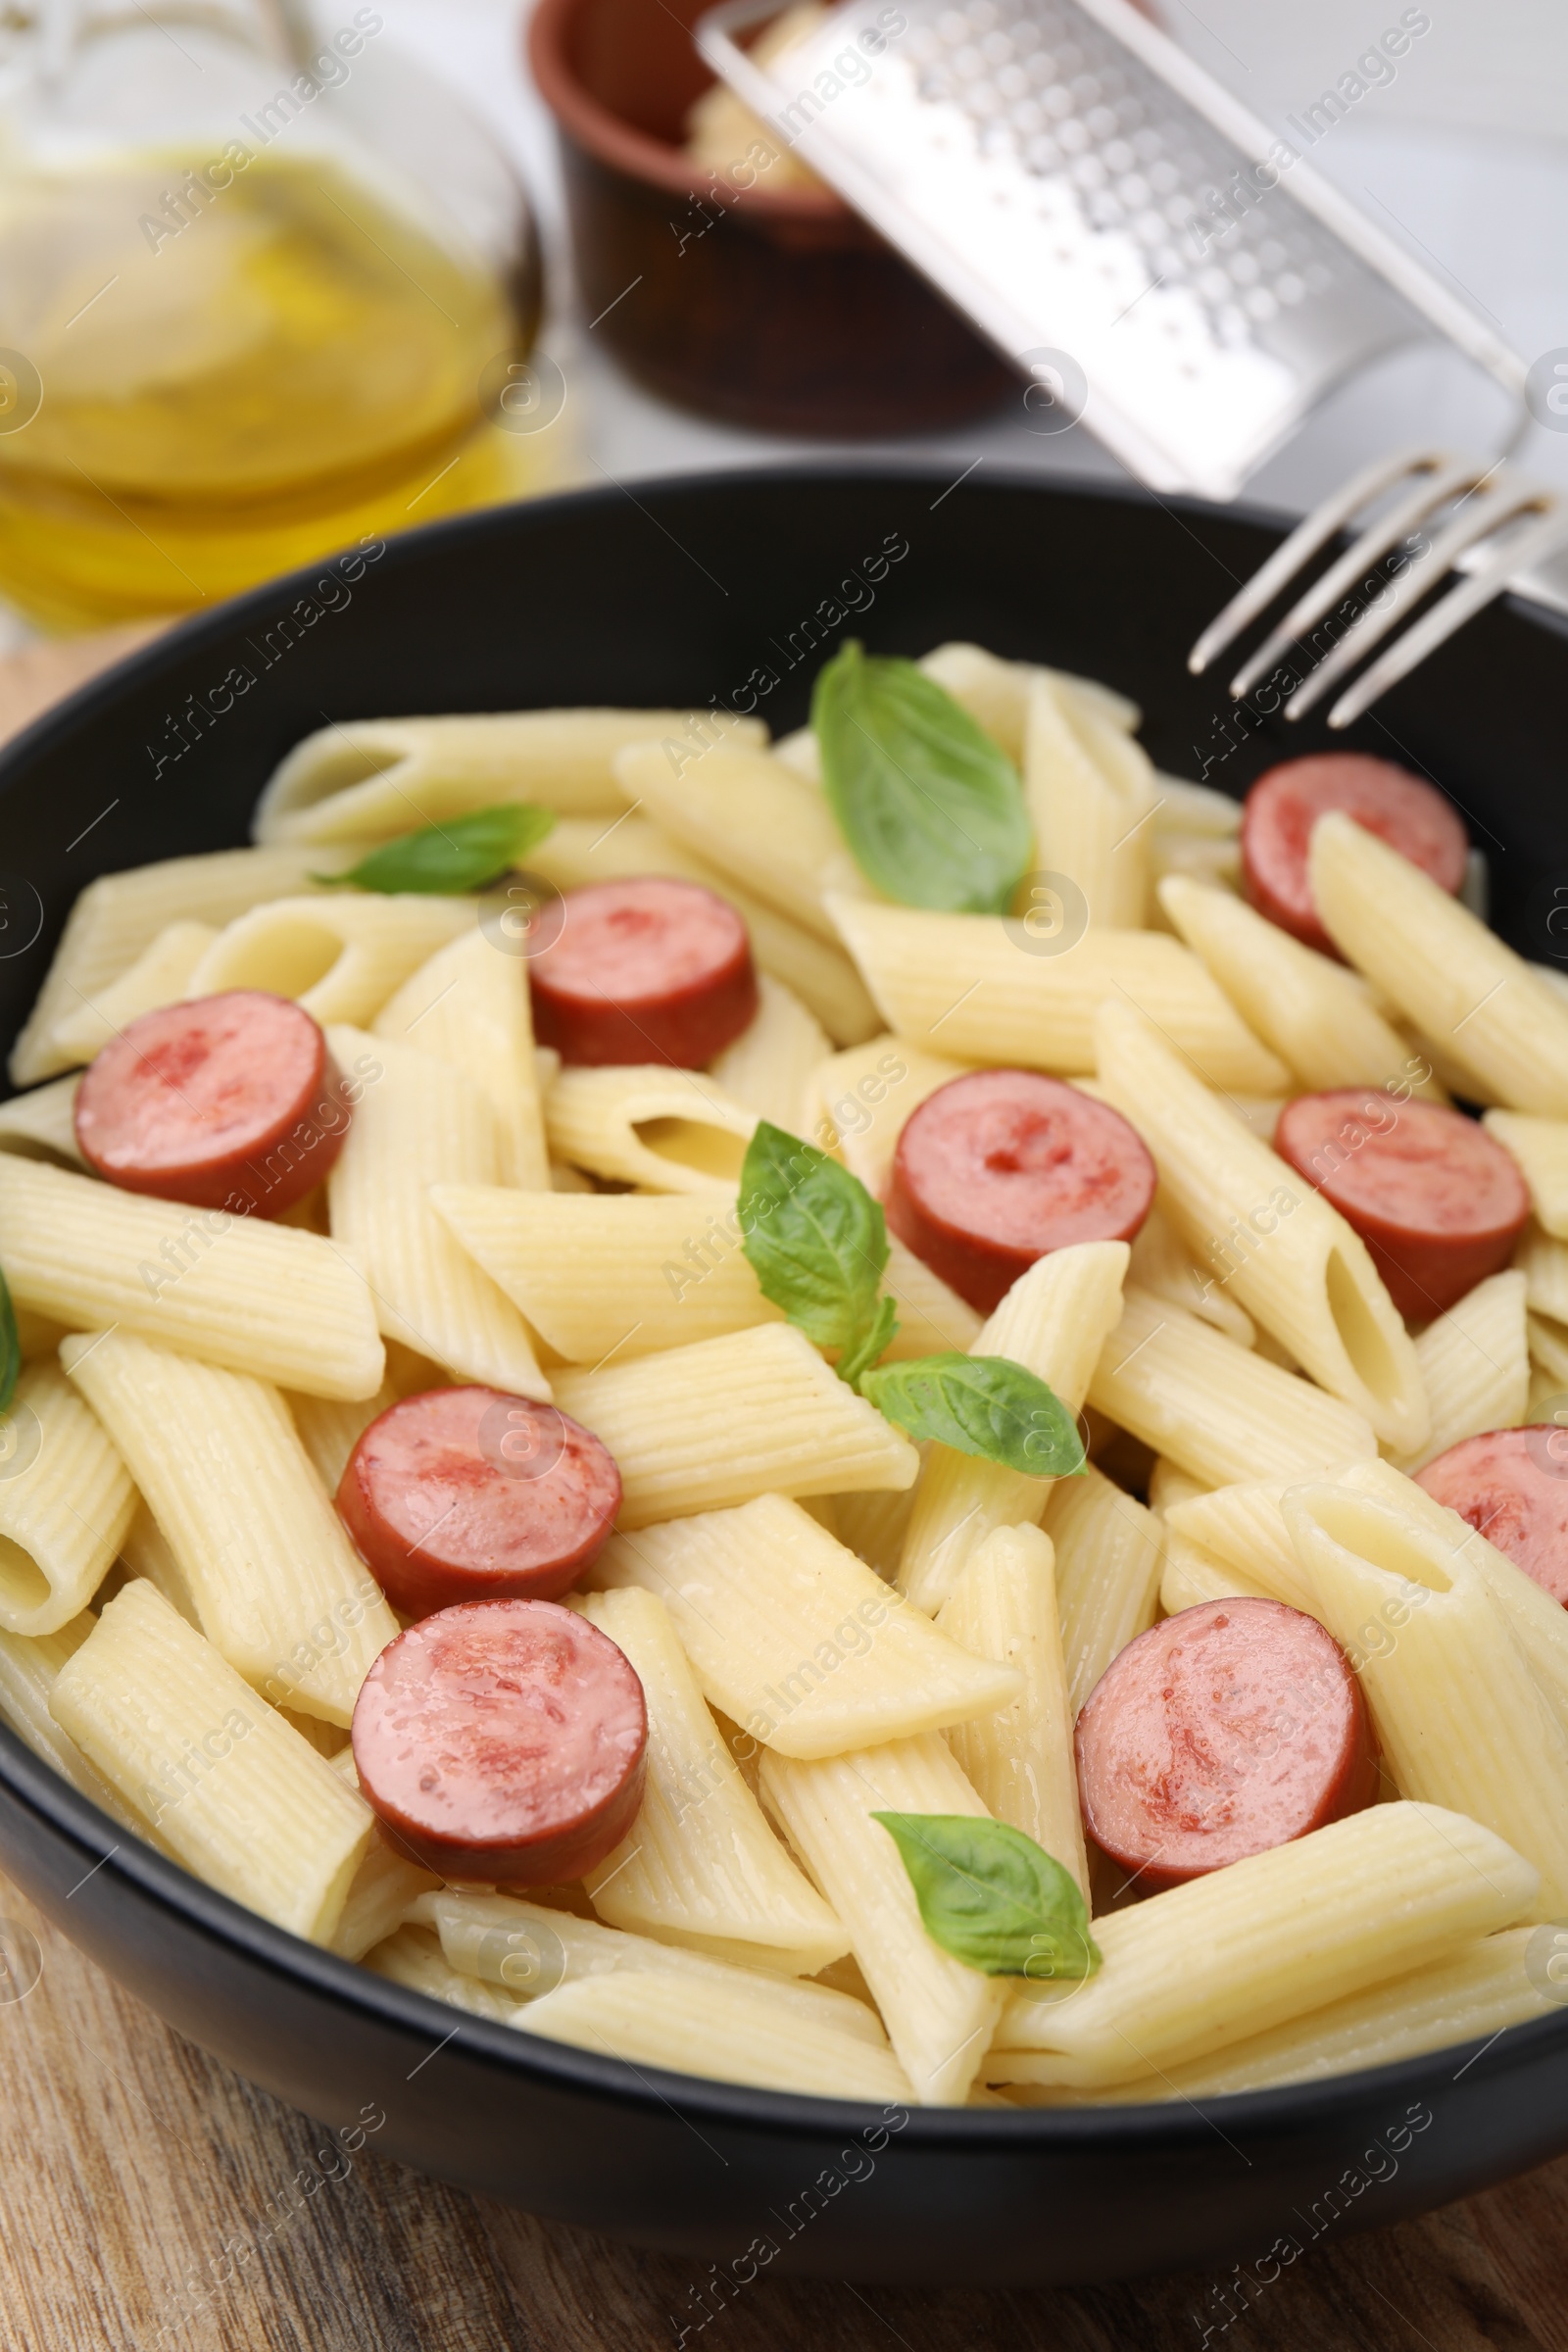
{"points": [[648, 970], [503, 1741], [1283, 806], [998, 1167], [1225, 1730], [1438, 1201], [470, 1493], [226, 1095], [1511, 1485]]}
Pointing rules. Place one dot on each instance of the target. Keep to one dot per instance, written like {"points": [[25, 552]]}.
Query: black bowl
{"points": [[691, 592]]}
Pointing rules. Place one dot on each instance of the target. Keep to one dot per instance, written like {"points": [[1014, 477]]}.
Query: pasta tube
{"points": [[1540, 1148], [470, 1006], [42, 1125], [857, 1102], [424, 1123], [277, 1588], [1193, 1574], [1162, 1264], [750, 815], [794, 1638], [1265, 1941], [1242, 1526], [701, 1428], [1291, 1260], [160, 975], [1169, 1484], [29, 1667], [1463, 987], [241, 1801], [1019, 1761], [768, 1066], [995, 693], [962, 985], [669, 1131], [381, 1894], [1220, 1411], [119, 915], [1544, 1263], [1110, 1553], [701, 1866], [339, 955], [1091, 793], [66, 1504], [1475, 1365], [262, 1297], [1054, 1321], [372, 779], [940, 2015], [1461, 1719]]}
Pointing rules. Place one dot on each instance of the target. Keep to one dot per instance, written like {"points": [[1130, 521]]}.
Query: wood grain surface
{"points": [[155, 2202]]}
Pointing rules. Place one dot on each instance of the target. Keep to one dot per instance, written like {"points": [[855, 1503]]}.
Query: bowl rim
{"points": [[613, 140], [115, 1854]]}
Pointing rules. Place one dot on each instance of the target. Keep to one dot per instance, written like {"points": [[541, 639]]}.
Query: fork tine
{"points": [[1483, 517], [1434, 628], [1304, 542], [1374, 543]]}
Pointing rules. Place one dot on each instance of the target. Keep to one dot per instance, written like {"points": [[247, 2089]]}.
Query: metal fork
{"points": [[1489, 503]]}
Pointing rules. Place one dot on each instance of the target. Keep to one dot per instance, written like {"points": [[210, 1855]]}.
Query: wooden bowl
{"points": [[783, 310]]}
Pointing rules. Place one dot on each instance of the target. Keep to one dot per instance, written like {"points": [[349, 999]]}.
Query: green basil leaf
{"points": [[10, 1348], [930, 806], [816, 1242], [991, 1897], [982, 1404], [465, 854]]}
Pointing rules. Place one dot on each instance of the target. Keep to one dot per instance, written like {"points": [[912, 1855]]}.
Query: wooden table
{"points": [[131, 2165]]}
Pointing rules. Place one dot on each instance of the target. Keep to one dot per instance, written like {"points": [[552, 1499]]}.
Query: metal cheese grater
{"points": [[1106, 213]]}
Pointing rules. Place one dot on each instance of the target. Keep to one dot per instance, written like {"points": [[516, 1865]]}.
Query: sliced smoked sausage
{"points": [[1283, 806], [470, 1493], [1000, 1167], [1438, 1204], [229, 1102], [503, 1741], [1223, 1730], [648, 970], [1511, 1485]]}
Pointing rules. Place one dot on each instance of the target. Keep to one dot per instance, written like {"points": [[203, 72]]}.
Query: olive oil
{"points": [[230, 380]]}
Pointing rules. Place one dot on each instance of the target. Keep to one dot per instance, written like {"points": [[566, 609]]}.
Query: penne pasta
{"points": [[585, 849], [160, 975], [748, 815], [470, 1006], [1220, 1411], [1091, 793], [1162, 1264], [29, 1666], [768, 1066], [261, 1298], [1544, 1263], [1540, 1148], [1479, 1003], [424, 1123], [1265, 1941], [1019, 1760], [239, 1798], [873, 1526], [1243, 1527], [796, 1640], [368, 780], [962, 985], [1054, 1321], [1192, 1575], [119, 915], [857, 1102], [701, 1867], [1459, 1716], [1291, 1260], [42, 1125], [940, 2015], [706, 1427], [669, 1131], [1318, 1015], [277, 1588], [1169, 1484], [1109, 1553], [1475, 1366], [66, 1504], [734, 2033], [381, 1894], [329, 1430], [341, 955], [995, 693], [1476, 1993]]}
